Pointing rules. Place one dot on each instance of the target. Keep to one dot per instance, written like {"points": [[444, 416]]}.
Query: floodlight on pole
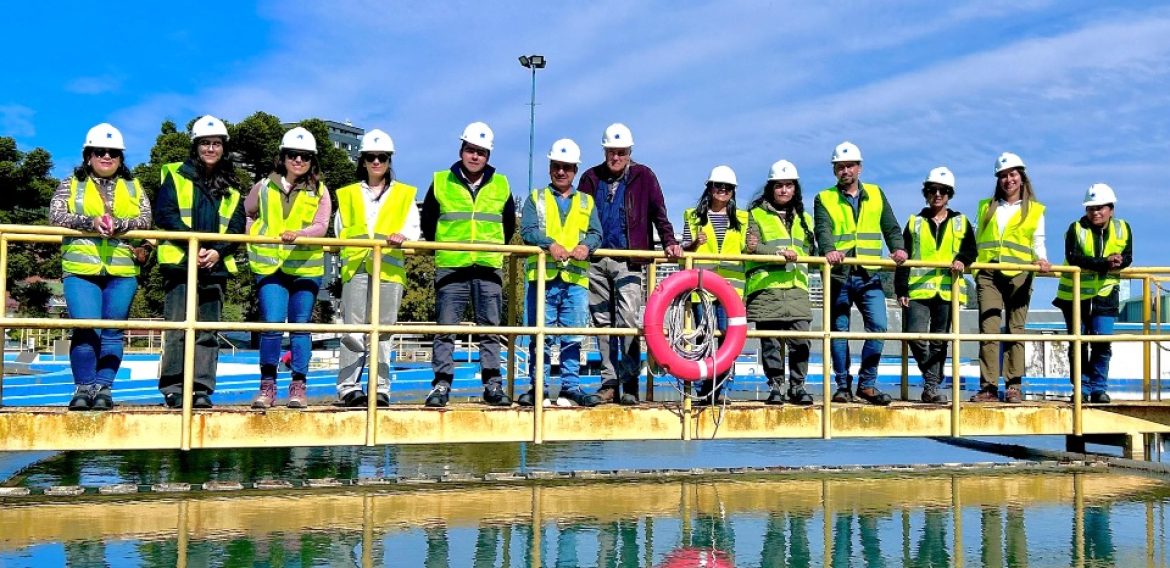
{"points": [[532, 62]]}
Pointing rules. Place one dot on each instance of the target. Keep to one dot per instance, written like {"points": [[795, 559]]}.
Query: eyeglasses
{"points": [[560, 166], [619, 152], [216, 143], [719, 187], [103, 152], [474, 150], [295, 155], [936, 191], [1094, 208], [371, 158]]}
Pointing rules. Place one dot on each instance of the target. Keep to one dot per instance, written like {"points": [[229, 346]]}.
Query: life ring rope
{"points": [[691, 355]]}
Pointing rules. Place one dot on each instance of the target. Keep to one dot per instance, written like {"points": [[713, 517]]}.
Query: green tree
{"points": [[27, 188], [418, 297], [255, 141]]}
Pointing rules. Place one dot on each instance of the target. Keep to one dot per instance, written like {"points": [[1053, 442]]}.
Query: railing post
{"points": [[957, 283], [513, 281], [3, 307], [192, 307], [1146, 347], [651, 283], [826, 351], [1075, 362], [537, 373], [373, 349]]}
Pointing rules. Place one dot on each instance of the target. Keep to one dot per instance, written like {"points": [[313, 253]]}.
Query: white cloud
{"points": [[94, 85], [16, 120]]}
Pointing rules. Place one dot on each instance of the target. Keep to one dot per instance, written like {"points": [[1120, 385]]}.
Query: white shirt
{"points": [[1004, 212], [373, 206]]}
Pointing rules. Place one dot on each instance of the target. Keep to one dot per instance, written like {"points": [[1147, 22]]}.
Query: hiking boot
{"points": [[843, 394], [494, 395], [82, 397], [529, 399], [201, 400], [354, 399], [296, 393], [986, 395], [1013, 394], [1099, 397], [578, 397], [439, 395], [930, 393], [382, 400], [874, 396], [267, 396], [606, 394], [775, 396], [797, 395], [102, 399]]}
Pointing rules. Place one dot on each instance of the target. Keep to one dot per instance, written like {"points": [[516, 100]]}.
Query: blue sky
{"points": [[1076, 88]]}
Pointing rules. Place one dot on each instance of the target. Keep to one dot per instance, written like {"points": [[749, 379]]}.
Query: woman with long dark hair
{"points": [[290, 203], [197, 195], [101, 272], [777, 292]]}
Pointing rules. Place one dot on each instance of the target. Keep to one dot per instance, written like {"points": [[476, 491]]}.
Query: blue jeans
{"points": [[565, 305], [867, 295], [1094, 356], [284, 297], [96, 354]]}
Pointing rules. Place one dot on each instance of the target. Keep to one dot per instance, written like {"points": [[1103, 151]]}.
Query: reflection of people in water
{"points": [[487, 541], [437, 547], [1098, 537], [871, 546], [1000, 551], [932, 546], [774, 555]]}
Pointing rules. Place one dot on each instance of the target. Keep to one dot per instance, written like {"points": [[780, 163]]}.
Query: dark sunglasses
{"points": [[558, 166], [102, 152], [473, 150], [371, 158], [937, 191], [1094, 208], [295, 154], [719, 187]]}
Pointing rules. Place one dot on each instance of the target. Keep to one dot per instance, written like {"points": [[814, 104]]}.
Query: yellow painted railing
{"points": [[46, 234]]}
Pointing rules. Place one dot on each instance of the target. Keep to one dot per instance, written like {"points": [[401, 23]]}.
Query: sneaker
{"points": [[296, 394], [843, 394], [529, 399], [931, 394], [607, 394], [578, 397], [494, 395], [267, 396], [354, 399], [82, 397], [629, 393], [439, 395], [986, 395], [102, 398], [1099, 397], [1013, 394], [797, 395], [874, 396], [775, 396]]}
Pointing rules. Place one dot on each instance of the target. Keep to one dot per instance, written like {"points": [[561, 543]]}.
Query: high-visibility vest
{"points": [[567, 233], [767, 275], [89, 256], [1015, 244], [730, 270], [351, 206], [926, 282], [307, 261], [466, 220], [862, 235], [170, 252], [1094, 284]]}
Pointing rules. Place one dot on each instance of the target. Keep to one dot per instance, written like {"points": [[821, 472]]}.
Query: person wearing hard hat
{"points": [[852, 221], [380, 207], [631, 208], [100, 272], [1009, 229], [715, 226], [289, 204], [1100, 244], [939, 234], [197, 195], [563, 222], [777, 292], [469, 203]]}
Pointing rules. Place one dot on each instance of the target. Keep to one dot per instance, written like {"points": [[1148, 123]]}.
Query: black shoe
{"points": [[173, 400], [931, 394], [494, 395], [1099, 397], [529, 398], [874, 396], [797, 395], [82, 397], [775, 396], [439, 395], [843, 394], [382, 400], [629, 394], [578, 397], [201, 400], [354, 399], [102, 399]]}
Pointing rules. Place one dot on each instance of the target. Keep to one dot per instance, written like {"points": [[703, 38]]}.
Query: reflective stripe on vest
{"points": [[175, 252], [1095, 284], [862, 235], [767, 275], [394, 209], [1015, 244], [567, 233], [926, 283], [298, 260], [88, 256], [733, 241], [463, 219]]}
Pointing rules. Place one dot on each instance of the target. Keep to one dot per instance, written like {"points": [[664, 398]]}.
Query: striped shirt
{"points": [[718, 221]]}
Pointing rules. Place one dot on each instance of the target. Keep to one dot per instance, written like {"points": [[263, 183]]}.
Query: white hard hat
{"points": [[565, 150], [377, 141], [846, 152], [942, 176], [208, 126], [104, 135], [617, 135], [299, 138], [478, 134], [783, 170], [1007, 161], [1099, 194], [722, 174]]}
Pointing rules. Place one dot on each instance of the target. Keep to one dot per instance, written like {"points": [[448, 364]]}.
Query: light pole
{"points": [[532, 62]]}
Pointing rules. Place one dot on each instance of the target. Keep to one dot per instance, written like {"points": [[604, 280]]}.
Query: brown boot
{"points": [[267, 396], [296, 394], [989, 394], [1013, 394]]}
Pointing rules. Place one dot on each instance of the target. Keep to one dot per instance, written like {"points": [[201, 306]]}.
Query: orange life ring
{"points": [[683, 282]]}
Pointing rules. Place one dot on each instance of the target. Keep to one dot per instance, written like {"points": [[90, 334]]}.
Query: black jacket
{"points": [[204, 219], [968, 250], [429, 216], [1073, 255]]}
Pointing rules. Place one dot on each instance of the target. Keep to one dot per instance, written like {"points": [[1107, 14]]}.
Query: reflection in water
{"points": [[919, 521]]}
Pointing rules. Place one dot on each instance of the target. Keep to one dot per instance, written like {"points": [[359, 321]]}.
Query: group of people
{"points": [[618, 205]]}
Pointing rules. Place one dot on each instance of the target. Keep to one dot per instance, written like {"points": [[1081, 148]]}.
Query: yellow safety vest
{"points": [[768, 275], [90, 256], [306, 261], [170, 252], [925, 282], [351, 206], [733, 240], [1094, 284], [466, 220], [1015, 244], [862, 235], [567, 233]]}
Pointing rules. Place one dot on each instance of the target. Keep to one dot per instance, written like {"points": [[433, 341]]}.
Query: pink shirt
{"points": [[320, 219]]}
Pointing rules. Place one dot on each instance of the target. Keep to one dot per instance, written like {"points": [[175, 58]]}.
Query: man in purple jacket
{"points": [[629, 203]]}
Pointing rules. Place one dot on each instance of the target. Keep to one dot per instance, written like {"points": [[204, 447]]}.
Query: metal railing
{"points": [[516, 253]]}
